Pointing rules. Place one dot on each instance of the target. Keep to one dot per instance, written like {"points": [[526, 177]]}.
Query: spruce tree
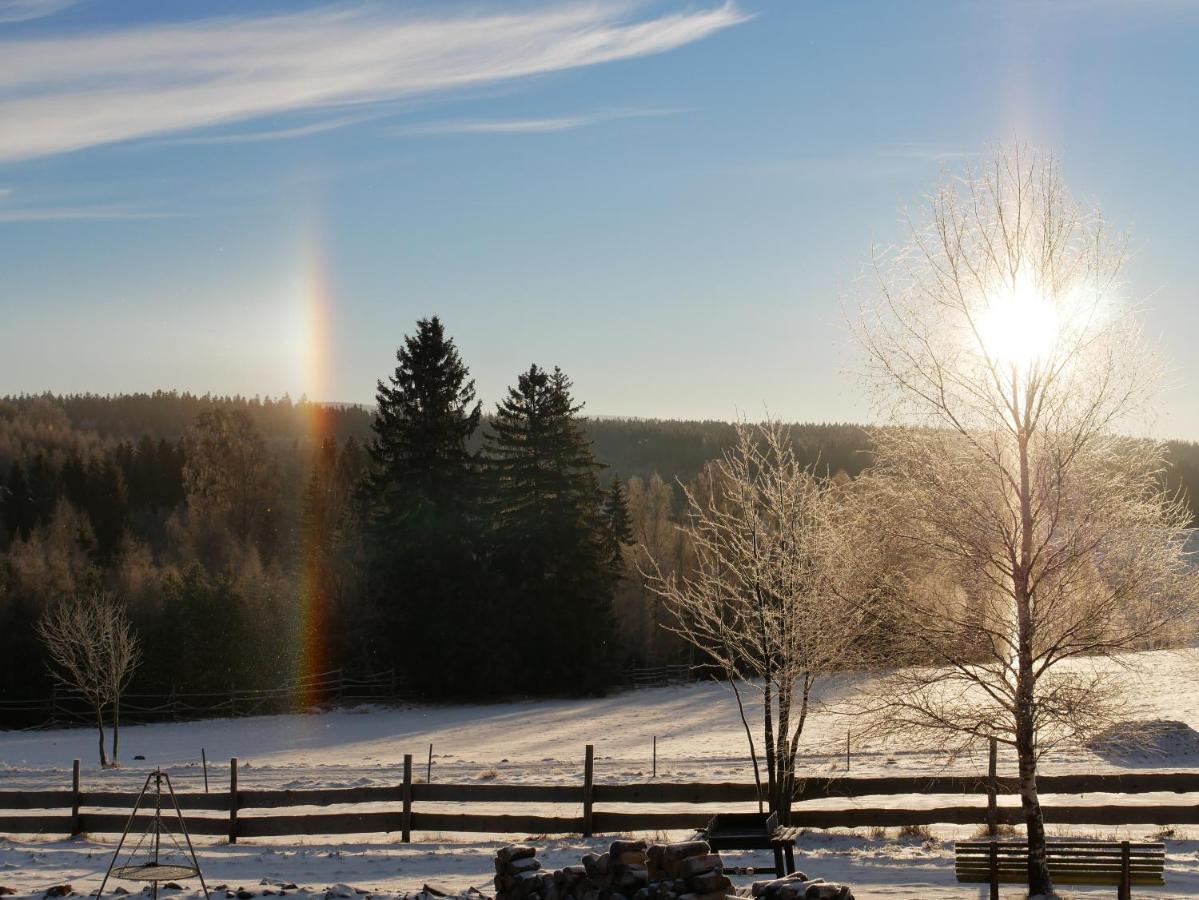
{"points": [[421, 513], [549, 539], [618, 526]]}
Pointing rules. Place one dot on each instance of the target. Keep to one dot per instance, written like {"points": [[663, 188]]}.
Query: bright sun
{"points": [[1019, 327]]}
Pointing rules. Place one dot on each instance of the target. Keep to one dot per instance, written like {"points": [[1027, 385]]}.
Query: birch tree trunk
{"points": [[1039, 882]]}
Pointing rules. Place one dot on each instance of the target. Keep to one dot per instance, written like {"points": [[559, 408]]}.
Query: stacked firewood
{"points": [[630, 870], [797, 886], [518, 873]]}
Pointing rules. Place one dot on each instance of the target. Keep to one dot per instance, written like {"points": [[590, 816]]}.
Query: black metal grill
{"points": [[741, 831]]}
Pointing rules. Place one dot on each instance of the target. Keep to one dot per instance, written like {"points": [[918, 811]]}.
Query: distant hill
{"points": [[671, 448], [628, 447]]}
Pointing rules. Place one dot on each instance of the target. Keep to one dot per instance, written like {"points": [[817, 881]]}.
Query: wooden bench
{"points": [[1070, 862]]}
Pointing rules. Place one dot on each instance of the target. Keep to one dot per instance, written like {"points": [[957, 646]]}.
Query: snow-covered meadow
{"points": [[699, 738]]}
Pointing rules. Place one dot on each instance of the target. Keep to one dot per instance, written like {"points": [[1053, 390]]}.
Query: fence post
{"points": [[233, 800], [588, 789], [406, 797], [994, 854], [429, 767], [655, 775], [75, 829], [1125, 871], [992, 791]]}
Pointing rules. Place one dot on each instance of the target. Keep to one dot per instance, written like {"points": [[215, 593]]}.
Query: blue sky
{"points": [[667, 199]]}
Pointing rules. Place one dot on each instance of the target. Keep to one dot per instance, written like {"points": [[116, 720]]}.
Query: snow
{"points": [[699, 738]]}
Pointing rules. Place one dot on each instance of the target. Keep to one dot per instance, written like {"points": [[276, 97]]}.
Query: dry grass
{"points": [[1003, 832]]}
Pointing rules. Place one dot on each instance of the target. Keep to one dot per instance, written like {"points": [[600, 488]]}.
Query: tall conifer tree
{"points": [[549, 538], [421, 502]]}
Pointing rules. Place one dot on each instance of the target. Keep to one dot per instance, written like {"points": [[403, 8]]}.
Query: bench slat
{"points": [[1057, 843], [1012, 867], [1072, 855], [1099, 880]]}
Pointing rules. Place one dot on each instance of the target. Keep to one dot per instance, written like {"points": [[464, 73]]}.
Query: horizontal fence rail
{"points": [[234, 811], [332, 688], [660, 676]]}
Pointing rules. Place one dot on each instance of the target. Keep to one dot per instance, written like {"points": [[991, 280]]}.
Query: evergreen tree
{"points": [[421, 513], [549, 538], [618, 526], [18, 506]]}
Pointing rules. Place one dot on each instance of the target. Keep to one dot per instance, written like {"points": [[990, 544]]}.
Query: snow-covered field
{"points": [[699, 738]]}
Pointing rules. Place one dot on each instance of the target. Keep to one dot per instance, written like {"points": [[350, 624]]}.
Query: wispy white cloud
{"points": [[44, 213], [25, 10], [77, 213], [278, 134], [523, 126], [69, 92]]}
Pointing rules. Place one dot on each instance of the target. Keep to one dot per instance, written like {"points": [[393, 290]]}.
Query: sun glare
{"points": [[1019, 326]]}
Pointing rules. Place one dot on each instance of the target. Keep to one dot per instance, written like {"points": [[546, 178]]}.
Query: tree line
{"points": [[230, 524], [251, 539]]}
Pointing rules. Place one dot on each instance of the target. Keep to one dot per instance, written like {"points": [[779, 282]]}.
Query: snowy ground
{"points": [[699, 736]]}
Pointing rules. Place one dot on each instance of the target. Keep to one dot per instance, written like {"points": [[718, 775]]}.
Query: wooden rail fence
{"points": [[335, 688], [70, 811], [62, 707]]}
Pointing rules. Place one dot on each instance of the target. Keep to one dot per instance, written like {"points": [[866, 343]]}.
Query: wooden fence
{"points": [[660, 676], [333, 688], [70, 811]]}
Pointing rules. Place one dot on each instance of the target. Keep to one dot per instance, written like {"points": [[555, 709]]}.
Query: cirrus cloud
{"points": [[70, 92]]}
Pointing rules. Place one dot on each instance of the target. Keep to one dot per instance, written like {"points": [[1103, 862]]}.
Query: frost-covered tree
{"points": [[767, 599], [1040, 539], [92, 649]]}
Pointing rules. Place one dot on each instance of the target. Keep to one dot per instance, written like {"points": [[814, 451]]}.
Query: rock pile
{"points": [[630, 870]]}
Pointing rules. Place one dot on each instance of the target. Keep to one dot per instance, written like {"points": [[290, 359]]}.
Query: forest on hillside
{"points": [[251, 538]]}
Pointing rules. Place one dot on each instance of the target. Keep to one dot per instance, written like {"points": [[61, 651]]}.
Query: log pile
{"points": [[635, 870], [797, 886], [630, 870]]}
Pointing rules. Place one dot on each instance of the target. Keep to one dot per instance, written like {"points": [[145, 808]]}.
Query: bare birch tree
{"points": [[762, 601], [1040, 543], [92, 649]]}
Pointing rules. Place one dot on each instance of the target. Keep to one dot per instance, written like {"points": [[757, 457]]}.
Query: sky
{"points": [[669, 200]]}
